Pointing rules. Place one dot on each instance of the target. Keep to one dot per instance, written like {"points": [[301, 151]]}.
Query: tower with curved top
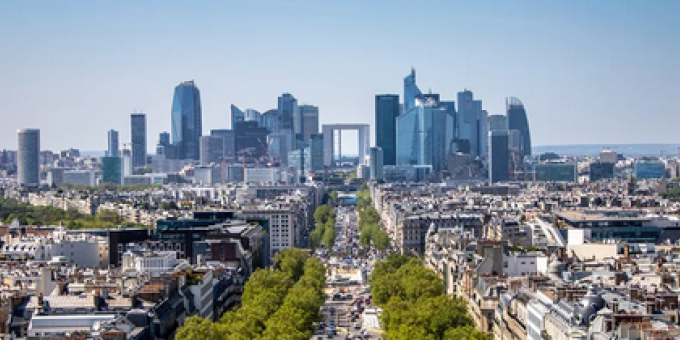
{"points": [[187, 126], [517, 120]]}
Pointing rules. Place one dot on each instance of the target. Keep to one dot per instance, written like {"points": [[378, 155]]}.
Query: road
{"points": [[347, 280]]}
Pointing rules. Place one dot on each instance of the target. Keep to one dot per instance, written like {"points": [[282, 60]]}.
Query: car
{"points": [[329, 335], [357, 325], [365, 334]]}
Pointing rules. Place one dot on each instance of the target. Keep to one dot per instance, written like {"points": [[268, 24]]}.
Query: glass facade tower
{"points": [[498, 156], [113, 143], [411, 91], [517, 120], [468, 122], [187, 120], [386, 113], [421, 136], [138, 128]]}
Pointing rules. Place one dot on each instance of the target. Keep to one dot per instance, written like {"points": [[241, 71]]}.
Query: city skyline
{"points": [[583, 72]]}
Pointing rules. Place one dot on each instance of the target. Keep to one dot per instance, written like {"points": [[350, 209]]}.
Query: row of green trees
{"points": [[414, 304], [324, 231], [278, 303], [27, 214], [369, 223]]}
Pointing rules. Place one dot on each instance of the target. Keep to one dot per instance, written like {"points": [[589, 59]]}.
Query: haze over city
{"points": [[587, 72]]}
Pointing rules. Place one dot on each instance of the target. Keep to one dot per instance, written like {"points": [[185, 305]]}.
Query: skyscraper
{"points": [[187, 121], [497, 122], [250, 138], [28, 157], [421, 136], [309, 122], [112, 171], [287, 109], [517, 120], [228, 139], [237, 116], [468, 122], [212, 149], [386, 113], [411, 91], [252, 115], [498, 156], [138, 128], [113, 143], [376, 163]]}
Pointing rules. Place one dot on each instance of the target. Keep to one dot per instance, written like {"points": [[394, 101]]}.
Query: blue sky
{"points": [[587, 71]]}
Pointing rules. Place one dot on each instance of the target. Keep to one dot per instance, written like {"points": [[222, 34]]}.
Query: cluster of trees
{"points": [[369, 223], [28, 214], [278, 303], [414, 304], [324, 231]]}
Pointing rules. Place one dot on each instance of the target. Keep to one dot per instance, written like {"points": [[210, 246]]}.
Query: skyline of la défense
{"points": [[308, 170]]}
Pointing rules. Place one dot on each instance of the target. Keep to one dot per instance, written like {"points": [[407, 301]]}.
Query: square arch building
{"points": [[364, 140]]}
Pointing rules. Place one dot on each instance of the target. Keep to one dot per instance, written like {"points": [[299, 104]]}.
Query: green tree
{"points": [[334, 197], [329, 237], [291, 261], [466, 333], [108, 216], [381, 240]]}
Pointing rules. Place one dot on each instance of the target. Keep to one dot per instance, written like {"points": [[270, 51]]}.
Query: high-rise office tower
{"points": [[482, 133], [252, 115], [517, 120], [112, 171], [386, 113], [237, 116], [28, 157], [113, 143], [287, 109], [187, 120], [450, 107], [421, 136], [468, 122], [138, 128], [376, 163], [498, 122], [212, 149], [498, 156], [316, 152], [270, 120], [228, 139], [164, 138], [411, 91], [251, 139], [309, 122]]}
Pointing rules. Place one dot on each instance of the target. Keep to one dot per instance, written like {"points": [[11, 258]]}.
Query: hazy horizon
{"points": [[588, 72]]}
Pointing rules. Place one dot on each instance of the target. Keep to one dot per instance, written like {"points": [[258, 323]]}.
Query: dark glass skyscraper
{"points": [[386, 112], [138, 128], [517, 120], [308, 122], [187, 121], [498, 156], [287, 110], [113, 143]]}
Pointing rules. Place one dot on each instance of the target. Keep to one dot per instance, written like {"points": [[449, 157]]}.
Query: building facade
{"points": [[187, 120], [113, 143], [498, 156], [386, 113], [421, 136], [28, 157], [517, 120], [138, 129]]}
